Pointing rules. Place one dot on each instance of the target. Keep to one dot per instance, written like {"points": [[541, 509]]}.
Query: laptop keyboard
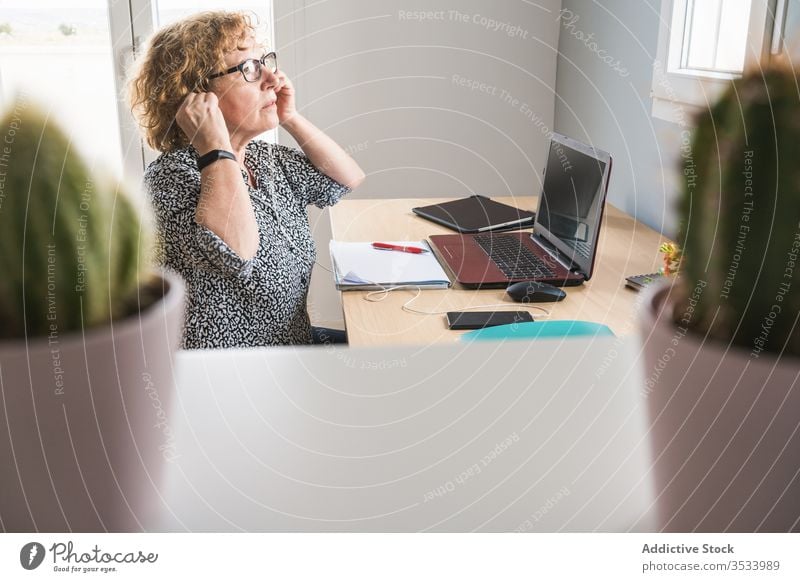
{"points": [[512, 257]]}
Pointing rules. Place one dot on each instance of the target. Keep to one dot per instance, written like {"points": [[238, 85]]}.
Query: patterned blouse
{"points": [[231, 302]]}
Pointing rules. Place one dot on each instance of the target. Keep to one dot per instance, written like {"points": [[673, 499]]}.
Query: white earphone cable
{"points": [[383, 292]]}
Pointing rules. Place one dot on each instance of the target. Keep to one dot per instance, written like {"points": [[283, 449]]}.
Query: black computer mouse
{"points": [[534, 292]]}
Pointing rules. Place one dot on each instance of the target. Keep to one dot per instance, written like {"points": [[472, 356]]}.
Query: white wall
{"points": [[386, 85], [607, 103]]}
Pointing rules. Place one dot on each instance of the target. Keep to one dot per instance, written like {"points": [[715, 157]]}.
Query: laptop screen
{"points": [[571, 203]]}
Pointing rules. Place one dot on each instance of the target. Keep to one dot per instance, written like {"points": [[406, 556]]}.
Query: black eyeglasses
{"points": [[251, 68]]}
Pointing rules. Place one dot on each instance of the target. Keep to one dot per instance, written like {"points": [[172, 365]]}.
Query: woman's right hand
{"points": [[200, 118]]}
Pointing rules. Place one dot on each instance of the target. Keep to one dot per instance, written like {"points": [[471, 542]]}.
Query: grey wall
{"points": [[382, 83], [606, 52], [396, 92]]}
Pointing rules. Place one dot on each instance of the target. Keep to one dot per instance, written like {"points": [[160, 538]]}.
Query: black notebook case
{"points": [[476, 214]]}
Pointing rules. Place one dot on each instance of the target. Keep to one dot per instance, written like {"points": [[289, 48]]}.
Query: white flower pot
{"points": [[724, 428], [85, 423]]}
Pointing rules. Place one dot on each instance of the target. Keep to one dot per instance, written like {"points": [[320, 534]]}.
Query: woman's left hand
{"points": [[284, 91]]}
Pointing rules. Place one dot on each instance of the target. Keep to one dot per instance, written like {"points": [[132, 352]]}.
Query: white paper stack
{"points": [[358, 266]]}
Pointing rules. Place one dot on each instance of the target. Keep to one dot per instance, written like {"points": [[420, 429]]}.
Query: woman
{"points": [[231, 210]]}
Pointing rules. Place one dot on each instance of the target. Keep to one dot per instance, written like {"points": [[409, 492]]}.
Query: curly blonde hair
{"points": [[177, 61]]}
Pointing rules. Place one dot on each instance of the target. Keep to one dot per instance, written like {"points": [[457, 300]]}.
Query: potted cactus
{"points": [[722, 342], [87, 335]]}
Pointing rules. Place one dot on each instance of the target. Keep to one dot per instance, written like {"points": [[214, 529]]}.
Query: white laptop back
{"points": [[516, 436]]}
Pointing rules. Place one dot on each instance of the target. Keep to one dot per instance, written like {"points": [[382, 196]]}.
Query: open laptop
{"points": [[562, 247]]}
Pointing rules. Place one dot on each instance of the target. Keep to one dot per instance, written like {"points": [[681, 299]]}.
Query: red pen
{"points": [[389, 247]]}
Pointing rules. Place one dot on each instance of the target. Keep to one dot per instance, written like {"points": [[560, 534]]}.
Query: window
{"points": [[73, 56], [714, 35], [51, 48], [704, 44]]}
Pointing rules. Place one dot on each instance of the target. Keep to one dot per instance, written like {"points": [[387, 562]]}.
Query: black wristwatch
{"points": [[213, 156]]}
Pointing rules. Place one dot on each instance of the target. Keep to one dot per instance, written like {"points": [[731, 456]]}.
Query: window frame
{"points": [[130, 23], [678, 94]]}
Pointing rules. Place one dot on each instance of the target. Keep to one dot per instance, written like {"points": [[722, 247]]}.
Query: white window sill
{"points": [[702, 75], [678, 97]]}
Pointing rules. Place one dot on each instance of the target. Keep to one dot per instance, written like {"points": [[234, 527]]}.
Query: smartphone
{"points": [[481, 319]]}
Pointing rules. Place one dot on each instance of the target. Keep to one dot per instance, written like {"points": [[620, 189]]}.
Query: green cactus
{"points": [[73, 252], [740, 228]]}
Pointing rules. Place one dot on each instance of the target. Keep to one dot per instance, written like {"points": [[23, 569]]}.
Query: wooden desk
{"points": [[626, 247]]}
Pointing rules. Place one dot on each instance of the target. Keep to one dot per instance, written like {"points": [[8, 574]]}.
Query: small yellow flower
{"points": [[672, 258]]}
